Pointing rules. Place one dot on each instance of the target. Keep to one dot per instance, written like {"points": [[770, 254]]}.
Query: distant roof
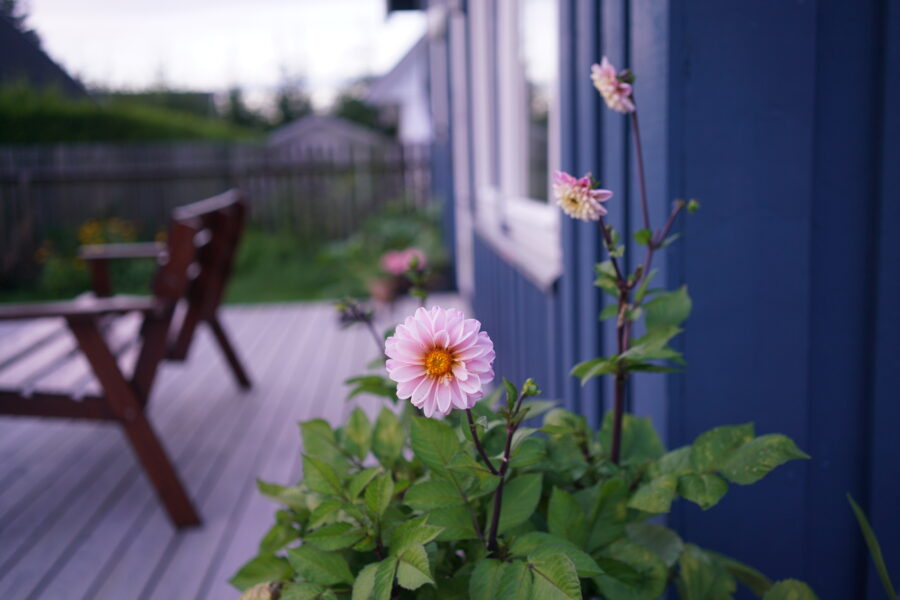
{"points": [[383, 89], [318, 124], [21, 59]]}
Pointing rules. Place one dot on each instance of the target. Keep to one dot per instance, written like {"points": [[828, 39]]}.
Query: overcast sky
{"points": [[215, 44]]}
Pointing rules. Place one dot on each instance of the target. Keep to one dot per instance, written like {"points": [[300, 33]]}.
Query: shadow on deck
{"points": [[80, 521]]}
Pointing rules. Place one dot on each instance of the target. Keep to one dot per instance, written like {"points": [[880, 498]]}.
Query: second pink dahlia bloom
{"points": [[615, 92], [440, 360], [398, 262], [578, 198]]}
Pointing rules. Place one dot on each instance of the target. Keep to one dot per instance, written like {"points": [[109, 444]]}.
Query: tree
{"points": [[14, 11], [292, 103], [237, 112]]}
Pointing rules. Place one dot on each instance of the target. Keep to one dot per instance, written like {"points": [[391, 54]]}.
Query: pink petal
{"points": [[405, 373]]}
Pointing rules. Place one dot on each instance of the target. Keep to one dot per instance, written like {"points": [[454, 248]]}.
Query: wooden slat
{"points": [[50, 536], [25, 337]]}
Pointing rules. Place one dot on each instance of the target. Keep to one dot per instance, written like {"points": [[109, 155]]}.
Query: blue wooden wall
{"points": [[792, 262]]}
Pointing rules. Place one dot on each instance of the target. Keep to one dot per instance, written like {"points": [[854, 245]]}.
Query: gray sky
{"points": [[215, 44]]}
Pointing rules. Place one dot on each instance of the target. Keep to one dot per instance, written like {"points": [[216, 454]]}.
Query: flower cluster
{"points": [[440, 360], [398, 262], [578, 198], [611, 85]]}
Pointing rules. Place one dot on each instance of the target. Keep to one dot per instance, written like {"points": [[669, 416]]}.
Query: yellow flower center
{"points": [[438, 362]]}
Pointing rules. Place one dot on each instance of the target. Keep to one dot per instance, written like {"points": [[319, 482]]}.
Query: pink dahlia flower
{"points": [[616, 92], [578, 198], [398, 262], [440, 360]]}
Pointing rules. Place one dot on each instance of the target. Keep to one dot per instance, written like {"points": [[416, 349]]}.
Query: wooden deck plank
{"points": [[128, 512], [62, 525]]}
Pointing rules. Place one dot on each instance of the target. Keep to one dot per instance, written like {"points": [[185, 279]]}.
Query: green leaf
{"points": [[790, 589], [540, 541], [485, 581], [429, 495], [379, 494], [656, 495], [387, 438], [364, 585], [375, 385], [662, 541], [589, 369], [642, 289], [306, 591], [415, 532], [668, 309], [335, 536], [321, 477], [535, 408], [712, 449], [292, 497], [360, 481], [520, 499], [384, 578], [323, 512], [702, 577], [606, 505], [643, 578], [515, 581], [434, 443], [758, 583], [565, 518], [413, 570], [512, 392], [640, 442], [555, 577], [261, 569], [280, 534], [643, 236], [676, 462], [320, 441], [703, 490], [606, 278], [752, 461], [874, 548], [316, 566], [358, 434], [455, 521], [609, 311]]}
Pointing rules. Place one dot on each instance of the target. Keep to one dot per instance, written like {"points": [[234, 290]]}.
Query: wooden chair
{"points": [[104, 373], [222, 218]]}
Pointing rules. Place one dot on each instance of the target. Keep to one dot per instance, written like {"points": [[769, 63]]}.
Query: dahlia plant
{"points": [[454, 494]]}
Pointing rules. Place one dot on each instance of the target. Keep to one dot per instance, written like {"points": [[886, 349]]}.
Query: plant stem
{"points": [[498, 495], [379, 342], [640, 165], [478, 446], [608, 241]]}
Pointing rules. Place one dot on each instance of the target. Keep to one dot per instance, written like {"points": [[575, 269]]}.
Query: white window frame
{"points": [[523, 231]]}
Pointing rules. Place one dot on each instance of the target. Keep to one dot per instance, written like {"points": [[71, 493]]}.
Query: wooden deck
{"points": [[78, 518]]}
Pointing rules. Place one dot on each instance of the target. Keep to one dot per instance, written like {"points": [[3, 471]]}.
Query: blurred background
{"points": [[362, 126]]}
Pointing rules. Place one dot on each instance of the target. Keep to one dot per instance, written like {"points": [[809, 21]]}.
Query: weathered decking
{"points": [[78, 518]]}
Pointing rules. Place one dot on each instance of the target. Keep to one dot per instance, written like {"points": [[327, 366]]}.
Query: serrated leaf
{"points": [[702, 577], [641, 291], [316, 566], [790, 589], [485, 581], [662, 541], [656, 495], [359, 481], [358, 434], [565, 518], [261, 569], [324, 512], [412, 533], [515, 581], [384, 578], [429, 495], [539, 541], [704, 490], [280, 534], [668, 309], [641, 576], [589, 369], [319, 440], [364, 586], [321, 477], [374, 385], [640, 442], [455, 521], [675, 462], [555, 577], [512, 392], [434, 443], [712, 449], [306, 591], [387, 438], [413, 570], [755, 459], [335, 536], [520, 498], [292, 497], [379, 494]]}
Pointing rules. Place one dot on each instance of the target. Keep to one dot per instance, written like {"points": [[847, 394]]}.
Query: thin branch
{"points": [[481, 451], [608, 242], [498, 495], [640, 165]]}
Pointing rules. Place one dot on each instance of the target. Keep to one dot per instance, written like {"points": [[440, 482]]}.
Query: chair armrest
{"points": [[84, 307], [116, 251]]}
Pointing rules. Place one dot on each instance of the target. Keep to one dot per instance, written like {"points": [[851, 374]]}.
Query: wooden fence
{"points": [[320, 193]]}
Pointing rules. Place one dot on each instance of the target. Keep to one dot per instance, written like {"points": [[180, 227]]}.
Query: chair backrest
{"points": [[170, 283], [221, 220]]}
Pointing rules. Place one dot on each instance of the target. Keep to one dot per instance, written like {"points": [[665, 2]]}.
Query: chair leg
{"points": [[230, 354], [160, 471]]}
